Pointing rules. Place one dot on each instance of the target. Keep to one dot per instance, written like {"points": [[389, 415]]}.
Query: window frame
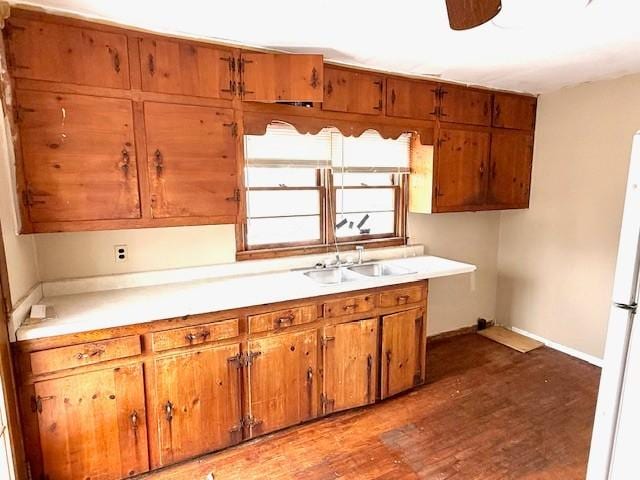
{"points": [[327, 242]]}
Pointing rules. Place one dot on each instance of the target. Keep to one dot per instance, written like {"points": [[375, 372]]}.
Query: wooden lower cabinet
{"points": [[197, 402], [282, 377], [99, 406], [349, 365], [92, 425], [403, 352]]}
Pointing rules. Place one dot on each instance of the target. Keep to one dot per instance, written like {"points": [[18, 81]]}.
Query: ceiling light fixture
{"points": [[466, 14]]}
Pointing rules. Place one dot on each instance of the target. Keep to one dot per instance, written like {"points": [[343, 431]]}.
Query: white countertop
{"points": [[83, 312]]}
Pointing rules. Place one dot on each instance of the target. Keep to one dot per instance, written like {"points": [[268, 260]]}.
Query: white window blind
{"points": [[283, 146], [370, 153]]}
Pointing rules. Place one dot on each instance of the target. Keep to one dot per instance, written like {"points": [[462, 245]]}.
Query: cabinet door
{"points": [[465, 105], [79, 157], [352, 92], [191, 159], [197, 402], [92, 425], [283, 388], [411, 99], [403, 351], [514, 111], [60, 53], [268, 77], [511, 161], [461, 160], [350, 359], [186, 68]]}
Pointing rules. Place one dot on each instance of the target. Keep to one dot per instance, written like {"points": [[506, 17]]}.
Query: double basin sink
{"points": [[333, 275]]}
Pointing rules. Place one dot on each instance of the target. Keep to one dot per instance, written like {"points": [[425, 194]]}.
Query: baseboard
{"points": [[454, 333], [561, 348]]}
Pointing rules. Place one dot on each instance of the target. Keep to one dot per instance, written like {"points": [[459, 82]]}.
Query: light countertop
{"points": [[83, 312]]}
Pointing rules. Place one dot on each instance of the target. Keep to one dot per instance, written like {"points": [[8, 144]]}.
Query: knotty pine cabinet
{"points": [[191, 160], [411, 99], [510, 167], [79, 157], [459, 104], [514, 111], [114, 403], [353, 91]]}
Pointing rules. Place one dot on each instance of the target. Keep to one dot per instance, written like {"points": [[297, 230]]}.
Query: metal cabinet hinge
{"points": [[235, 197], [249, 421], [326, 402], [325, 340], [244, 359], [234, 128]]}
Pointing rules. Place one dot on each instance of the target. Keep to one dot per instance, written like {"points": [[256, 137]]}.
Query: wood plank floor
{"points": [[486, 412]]}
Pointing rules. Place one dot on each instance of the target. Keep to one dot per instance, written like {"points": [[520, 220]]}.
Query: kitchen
{"points": [[240, 239]]}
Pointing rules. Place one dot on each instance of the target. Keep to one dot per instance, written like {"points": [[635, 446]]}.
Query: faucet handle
{"points": [[359, 248]]}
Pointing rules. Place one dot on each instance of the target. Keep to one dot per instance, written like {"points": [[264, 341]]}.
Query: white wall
{"points": [[458, 301], [556, 260], [20, 250]]}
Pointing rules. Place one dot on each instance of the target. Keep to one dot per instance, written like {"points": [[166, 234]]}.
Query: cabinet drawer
{"points": [[402, 296], [282, 318], [195, 335], [54, 359], [349, 306]]}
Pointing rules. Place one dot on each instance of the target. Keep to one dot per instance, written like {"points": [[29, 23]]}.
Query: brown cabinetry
{"points": [[411, 99], [282, 377], [60, 53], [353, 92], [186, 68], [92, 425], [191, 160], [79, 157], [464, 105], [461, 166], [514, 111], [197, 397], [350, 364], [510, 169], [403, 351], [268, 77]]}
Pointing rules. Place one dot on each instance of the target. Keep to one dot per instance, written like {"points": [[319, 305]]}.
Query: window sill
{"points": [[311, 249]]}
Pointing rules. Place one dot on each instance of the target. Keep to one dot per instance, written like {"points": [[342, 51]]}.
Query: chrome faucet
{"points": [[360, 250]]}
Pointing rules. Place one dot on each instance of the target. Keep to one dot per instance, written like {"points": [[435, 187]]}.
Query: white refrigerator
{"points": [[615, 443]]}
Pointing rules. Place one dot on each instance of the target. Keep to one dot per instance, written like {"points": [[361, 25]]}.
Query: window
{"points": [[317, 190]]}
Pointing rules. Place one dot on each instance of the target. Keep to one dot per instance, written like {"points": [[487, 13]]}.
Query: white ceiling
{"points": [[531, 45]]}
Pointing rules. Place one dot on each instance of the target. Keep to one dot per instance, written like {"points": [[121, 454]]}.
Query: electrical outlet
{"points": [[121, 253]]}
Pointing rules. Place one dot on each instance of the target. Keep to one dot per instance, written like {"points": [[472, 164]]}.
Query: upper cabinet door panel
{"points": [[461, 163], [60, 53], [411, 99], [353, 92], [465, 105], [510, 177], [269, 78], [185, 68], [514, 111], [191, 160], [79, 157]]}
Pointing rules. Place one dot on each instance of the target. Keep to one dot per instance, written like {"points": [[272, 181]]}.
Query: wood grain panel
{"points": [[79, 157], [401, 296], [353, 91], [194, 335], [465, 105], [514, 111], [411, 99], [349, 306], [510, 176], [282, 318]]}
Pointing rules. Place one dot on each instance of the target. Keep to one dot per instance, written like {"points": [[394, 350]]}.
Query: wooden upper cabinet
{"points": [[461, 166], [283, 381], [268, 77], [186, 68], [79, 157], [464, 105], [353, 91], [92, 425], [514, 111], [411, 98], [510, 170], [191, 160], [403, 351], [350, 362], [198, 406], [61, 53]]}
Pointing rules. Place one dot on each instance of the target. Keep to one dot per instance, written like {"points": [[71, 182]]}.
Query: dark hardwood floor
{"points": [[486, 412]]}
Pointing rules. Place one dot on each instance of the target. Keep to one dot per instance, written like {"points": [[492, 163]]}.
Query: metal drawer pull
{"points": [[402, 299], [168, 410], [286, 320], [191, 337], [85, 355], [350, 306]]}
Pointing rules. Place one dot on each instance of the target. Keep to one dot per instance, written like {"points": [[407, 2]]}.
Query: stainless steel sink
{"points": [[380, 270], [329, 276]]}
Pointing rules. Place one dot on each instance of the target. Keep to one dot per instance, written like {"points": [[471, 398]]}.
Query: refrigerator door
{"points": [[625, 292], [625, 460]]}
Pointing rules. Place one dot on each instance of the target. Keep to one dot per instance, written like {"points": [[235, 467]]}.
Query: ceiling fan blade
{"points": [[465, 14]]}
